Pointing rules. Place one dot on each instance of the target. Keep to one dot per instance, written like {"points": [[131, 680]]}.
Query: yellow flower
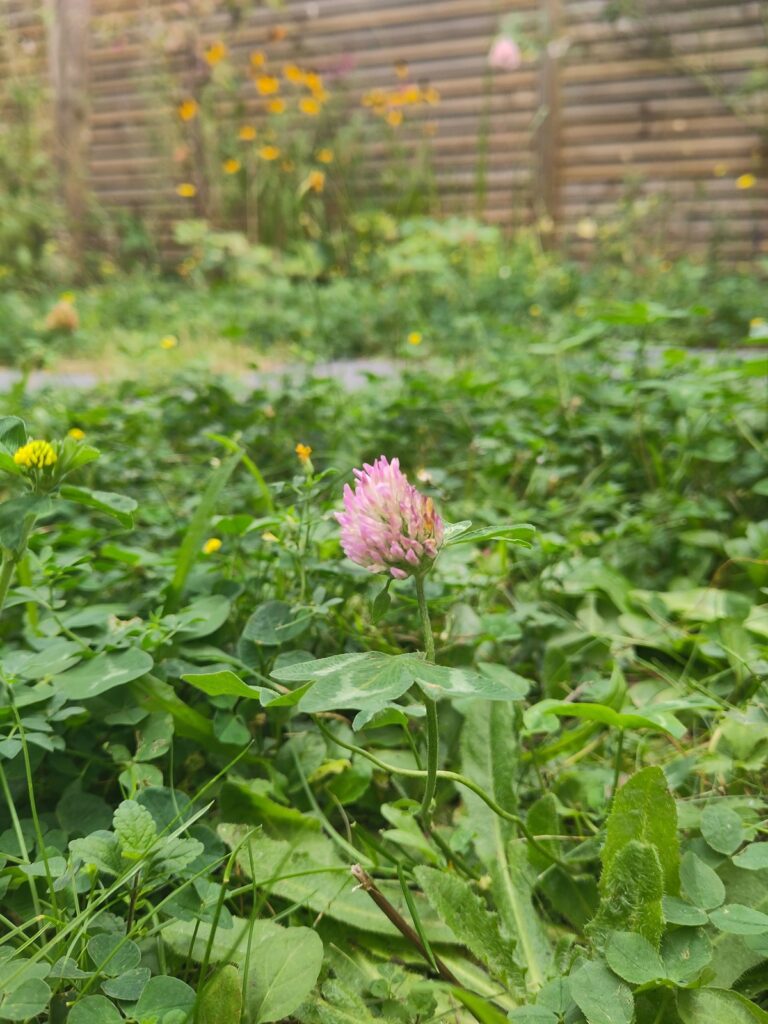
{"points": [[325, 156], [720, 170], [267, 85], [215, 53], [67, 297], [411, 95], [231, 166], [534, 310], [314, 182], [293, 73], [395, 118], [276, 106], [314, 83], [431, 96], [76, 433], [186, 190], [415, 338], [188, 109], [303, 451], [269, 152], [401, 69], [211, 546], [309, 106], [746, 181], [35, 455], [247, 133], [169, 341], [258, 59]]}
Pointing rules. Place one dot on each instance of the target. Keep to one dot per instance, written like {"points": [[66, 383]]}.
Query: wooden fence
{"points": [[602, 106]]}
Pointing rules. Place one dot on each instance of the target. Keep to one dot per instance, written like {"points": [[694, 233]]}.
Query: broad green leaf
{"points": [[718, 1006], [644, 810], [702, 604], [678, 911], [163, 995], [514, 533], [533, 1015], [127, 986], [28, 1000], [201, 618], [222, 998], [102, 673], [94, 1010], [753, 857], [101, 849], [361, 681], [489, 756], [113, 955], [685, 952], [722, 828], [615, 719], [13, 516], [119, 506], [274, 623], [13, 433], [468, 917], [216, 684], [282, 971], [135, 828], [481, 1009], [700, 883], [737, 919], [601, 996], [438, 681], [631, 891], [633, 958]]}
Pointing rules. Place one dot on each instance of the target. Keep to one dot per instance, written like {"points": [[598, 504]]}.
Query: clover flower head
{"points": [[35, 455], [505, 54], [387, 524]]}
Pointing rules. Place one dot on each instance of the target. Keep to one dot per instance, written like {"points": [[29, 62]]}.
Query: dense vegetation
{"points": [[182, 803]]}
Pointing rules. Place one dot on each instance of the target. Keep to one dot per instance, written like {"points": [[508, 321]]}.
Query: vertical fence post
{"points": [[548, 156], [68, 22]]}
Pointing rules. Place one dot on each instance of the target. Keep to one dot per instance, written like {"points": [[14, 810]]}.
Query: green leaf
{"points": [[274, 623], [513, 533], [468, 917], [615, 719], [753, 857], [135, 828], [163, 995], [481, 1009], [601, 996], [737, 919], [119, 506], [13, 433], [13, 516], [94, 1010], [533, 1015], [224, 683], [722, 828], [102, 673], [113, 955], [714, 1005], [192, 543], [202, 617], [678, 911], [364, 681], [282, 971], [439, 681], [633, 958], [685, 952], [221, 1000], [631, 890], [101, 849], [128, 986], [700, 883], [28, 1000], [644, 810]]}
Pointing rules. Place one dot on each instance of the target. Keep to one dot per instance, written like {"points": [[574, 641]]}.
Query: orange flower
{"points": [[314, 182], [412, 94], [231, 166], [303, 451], [314, 83], [325, 156], [309, 106], [186, 190], [188, 109], [267, 85], [401, 69], [276, 106], [247, 133], [258, 60], [215, 53], [269, 152], [431, 96], [395, 118], [293, 73]]}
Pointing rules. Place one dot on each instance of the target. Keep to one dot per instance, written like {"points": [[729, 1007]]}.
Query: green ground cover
{"points": [[184, 794]]}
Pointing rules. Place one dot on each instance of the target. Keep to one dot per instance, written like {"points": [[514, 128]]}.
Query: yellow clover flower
{"points": [[211, 546], [35, 455], [76, 433], [247, 133], [303, 451], [186, 190], [231, 166], [746, 181]]}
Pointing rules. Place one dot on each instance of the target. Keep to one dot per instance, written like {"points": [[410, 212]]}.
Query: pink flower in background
{"points": [[505, 54], [387, 525]]}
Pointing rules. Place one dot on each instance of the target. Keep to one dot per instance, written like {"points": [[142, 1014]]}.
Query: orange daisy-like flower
{"points": [[188, 109], [186, 190], [276, 106], [431, 96], [247, 133], [269, 152], [325, 155], [293, 73], [257, 58], [395, 118], [267, 85], [303, 451], [215, 53], [231, 166], [314, 182], [309, 106]]}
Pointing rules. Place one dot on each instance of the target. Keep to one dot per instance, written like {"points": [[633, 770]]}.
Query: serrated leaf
{"points": [[468, 917], [135, 828], [175, 854], [118, 506], [100, 848]]}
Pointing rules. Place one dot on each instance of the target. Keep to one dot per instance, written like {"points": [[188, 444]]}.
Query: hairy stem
{"points": [[433, 738]]}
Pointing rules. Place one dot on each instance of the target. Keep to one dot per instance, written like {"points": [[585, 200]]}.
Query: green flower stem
{"points": [[433, 738], [461, 780]]}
